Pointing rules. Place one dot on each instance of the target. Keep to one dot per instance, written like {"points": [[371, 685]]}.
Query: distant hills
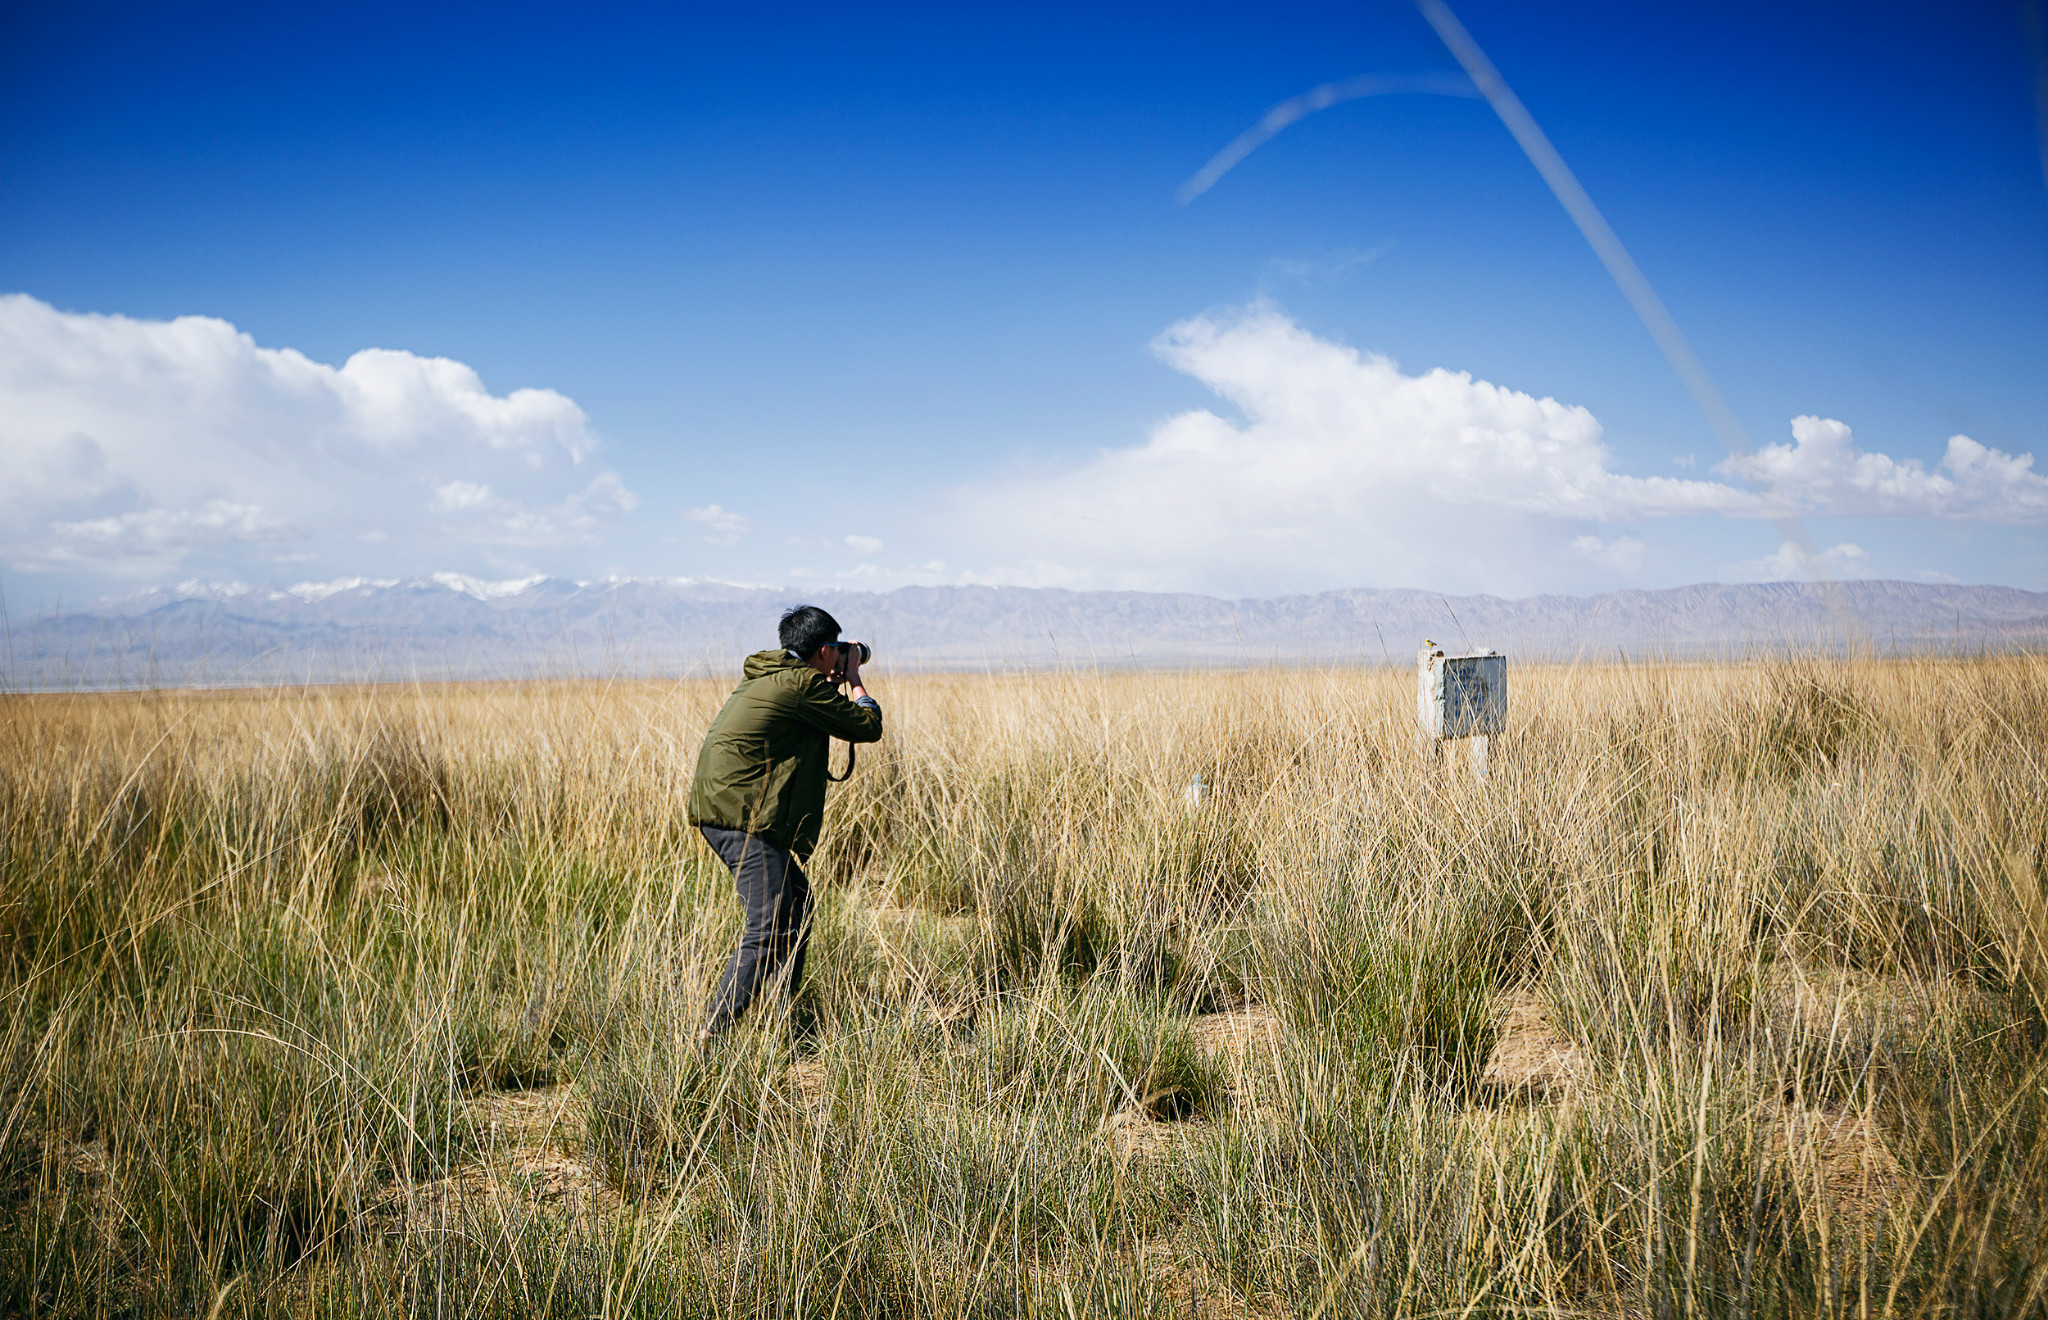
{"points": [[453, 627]]}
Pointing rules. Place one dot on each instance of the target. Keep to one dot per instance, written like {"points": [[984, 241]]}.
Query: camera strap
{"points": [[838, 779]]}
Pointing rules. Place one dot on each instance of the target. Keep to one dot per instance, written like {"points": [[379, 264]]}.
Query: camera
{"points": [[843, 647]]}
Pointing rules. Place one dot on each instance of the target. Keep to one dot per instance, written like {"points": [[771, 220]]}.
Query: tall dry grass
{"points": [[283, 969]]}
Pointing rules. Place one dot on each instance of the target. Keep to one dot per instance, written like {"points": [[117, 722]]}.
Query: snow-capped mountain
{"points": [[450, 626]]}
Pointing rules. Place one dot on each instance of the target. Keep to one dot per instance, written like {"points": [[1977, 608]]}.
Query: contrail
{"points": [[1607, 246], [1591, 223], [1483, 80], [1319, 98]]}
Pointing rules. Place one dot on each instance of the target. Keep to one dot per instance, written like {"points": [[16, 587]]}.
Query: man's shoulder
{"points": [[768, 664], [782, 683]]}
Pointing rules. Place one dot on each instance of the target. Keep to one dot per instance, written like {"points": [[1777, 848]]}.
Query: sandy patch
{"points": [[1839, 1155], [528, 1153], [1253, 1028], [1531, 1060]]}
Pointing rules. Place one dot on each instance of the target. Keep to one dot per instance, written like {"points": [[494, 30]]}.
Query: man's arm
{"points": [[857, 720]]}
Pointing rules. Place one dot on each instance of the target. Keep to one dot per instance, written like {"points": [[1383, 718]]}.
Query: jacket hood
{"points": [[767, 662]]}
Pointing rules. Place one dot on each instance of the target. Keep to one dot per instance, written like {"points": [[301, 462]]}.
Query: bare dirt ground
{"points": [[1832, 1150], [1241, 1031], [1532, 1060], [1840, 1155], [529, 1153]]}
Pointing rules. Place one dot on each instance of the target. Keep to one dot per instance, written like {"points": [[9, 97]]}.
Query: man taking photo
{"points": [[758, 796]]}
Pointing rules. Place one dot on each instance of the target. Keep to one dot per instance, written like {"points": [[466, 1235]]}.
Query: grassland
{"points": [[1726, 995]]}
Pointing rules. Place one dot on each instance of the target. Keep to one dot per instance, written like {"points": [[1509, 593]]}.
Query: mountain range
{"points": [[449, 626]]}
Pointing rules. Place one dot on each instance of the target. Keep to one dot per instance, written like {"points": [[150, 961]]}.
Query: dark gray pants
{"points": [[775, 895]]}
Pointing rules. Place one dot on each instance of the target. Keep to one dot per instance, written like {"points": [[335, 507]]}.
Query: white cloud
{"points": [[1791, 563], [721, 526], [1343, 469], [217, 520], [1823, 471], [131, 445], [146, 538], [1624, 554], [495, 520], [457, 495], [867, 545]]}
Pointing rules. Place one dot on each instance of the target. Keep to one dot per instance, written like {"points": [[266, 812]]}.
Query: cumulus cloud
{"points": [[1624, 554], [149, 536], [1343, 468], [492, 519], [455, 496], [867, 545], [721, 526], [1823, 471], [133, 444], [1794, 563]]}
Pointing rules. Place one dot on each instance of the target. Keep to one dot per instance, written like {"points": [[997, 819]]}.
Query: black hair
{"points": [[805, 628]]}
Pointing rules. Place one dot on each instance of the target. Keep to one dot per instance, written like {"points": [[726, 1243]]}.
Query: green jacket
{"points": [[762, 768]]}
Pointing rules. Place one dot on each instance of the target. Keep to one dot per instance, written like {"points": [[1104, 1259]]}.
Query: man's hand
{"points": [[840, 666]]}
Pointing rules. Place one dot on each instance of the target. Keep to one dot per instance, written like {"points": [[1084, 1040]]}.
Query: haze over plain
{"points": [[837, 300]]}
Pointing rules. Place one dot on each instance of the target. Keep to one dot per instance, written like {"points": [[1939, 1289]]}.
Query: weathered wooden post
{"points": [[1460, 696]]}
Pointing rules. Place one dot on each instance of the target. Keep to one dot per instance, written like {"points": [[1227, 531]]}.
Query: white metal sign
{"points": [[1461, 696]]}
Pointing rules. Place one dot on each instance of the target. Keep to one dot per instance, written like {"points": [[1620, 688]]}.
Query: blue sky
{"points": [[826, 295]]}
